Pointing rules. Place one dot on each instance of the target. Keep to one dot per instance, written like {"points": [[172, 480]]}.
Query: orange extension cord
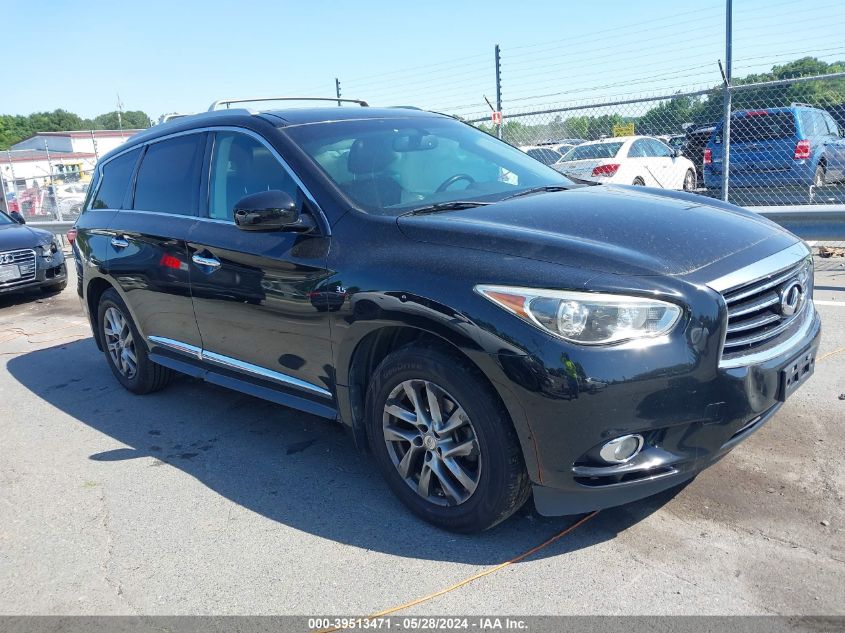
{"points": [[480, 574]]}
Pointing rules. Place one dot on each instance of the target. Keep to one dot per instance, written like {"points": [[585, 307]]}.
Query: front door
{"points": [[254, 293]]}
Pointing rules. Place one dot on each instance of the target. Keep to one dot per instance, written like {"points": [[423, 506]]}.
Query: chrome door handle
{"points": [[119, 242], [209, 262]]}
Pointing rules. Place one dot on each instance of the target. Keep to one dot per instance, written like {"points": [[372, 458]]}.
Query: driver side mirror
{"points": [[272, 210]]}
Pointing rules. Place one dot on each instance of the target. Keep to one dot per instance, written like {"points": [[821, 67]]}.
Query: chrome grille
{"points": [[759, 315], [25, 261]]}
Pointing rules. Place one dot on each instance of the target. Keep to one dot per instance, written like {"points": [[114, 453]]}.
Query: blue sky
{"points": [[180, 56]]}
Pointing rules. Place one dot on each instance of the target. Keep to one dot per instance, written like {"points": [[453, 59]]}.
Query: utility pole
{"points": [[94, 143], [337, 90], [51, 190], [726, 115], [499, 89], [12, 170], [120, 115]]}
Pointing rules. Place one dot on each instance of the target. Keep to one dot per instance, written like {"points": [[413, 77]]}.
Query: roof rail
{"points": [[229, 102], [801, 105]]}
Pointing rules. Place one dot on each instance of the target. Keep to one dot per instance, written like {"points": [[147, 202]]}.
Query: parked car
{"points": [[775, 147], [694, 145], [542, 153], [631, 160], [486, 338], [70, 198], [29, 258], [551, 152], [676, 142]]}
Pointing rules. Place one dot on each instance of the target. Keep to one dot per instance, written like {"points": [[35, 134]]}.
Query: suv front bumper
{"points": [[688, 422]]}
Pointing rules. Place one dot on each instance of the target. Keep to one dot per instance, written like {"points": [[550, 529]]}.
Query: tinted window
{"points": [[116, 175], [240, 166], [765, 126], [168, 179], [596, 150], [545, 156]]}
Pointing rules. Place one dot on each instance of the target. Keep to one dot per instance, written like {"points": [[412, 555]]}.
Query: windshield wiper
{"points": [[455, 205], [542, 189]]}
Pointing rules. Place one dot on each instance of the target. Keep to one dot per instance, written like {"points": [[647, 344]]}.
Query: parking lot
{"points": [[199, 500]]}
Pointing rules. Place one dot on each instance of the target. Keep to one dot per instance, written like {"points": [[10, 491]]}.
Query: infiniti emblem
{"points": [[791, 299], [6, 258]]}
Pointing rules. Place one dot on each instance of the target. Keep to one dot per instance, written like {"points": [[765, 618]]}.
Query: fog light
{"points": [[621, 449]]}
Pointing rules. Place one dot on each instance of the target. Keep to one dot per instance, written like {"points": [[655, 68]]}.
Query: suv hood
{"points": [[609, 229], [14, 236]]}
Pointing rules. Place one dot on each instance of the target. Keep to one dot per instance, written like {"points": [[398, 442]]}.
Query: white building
{"points": [[56, 154], [91, 142]]}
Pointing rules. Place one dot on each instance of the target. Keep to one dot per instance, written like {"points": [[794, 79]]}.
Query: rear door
{"points": [[110, 192], [148, 253], [763, 141], [256, 294]]}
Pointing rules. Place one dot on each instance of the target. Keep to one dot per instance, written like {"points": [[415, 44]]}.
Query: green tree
{"points": [[15, 128]]}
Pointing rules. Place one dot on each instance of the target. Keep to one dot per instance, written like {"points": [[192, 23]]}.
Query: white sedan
{"points": [[630, 160]]}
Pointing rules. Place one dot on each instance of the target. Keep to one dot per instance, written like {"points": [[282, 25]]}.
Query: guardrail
{"points": [[824, 223], [809, 222]]}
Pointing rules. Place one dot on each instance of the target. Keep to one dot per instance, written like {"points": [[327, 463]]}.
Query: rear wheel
{"points": [[124, 349], [638, 182], [689, 180], [443, 441]]}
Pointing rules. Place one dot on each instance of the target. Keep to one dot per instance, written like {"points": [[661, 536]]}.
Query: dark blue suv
{"points": [[794, 146]]}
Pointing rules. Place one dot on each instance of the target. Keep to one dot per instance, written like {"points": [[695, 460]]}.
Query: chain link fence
{"points": [[785, 145], [49, 197]]}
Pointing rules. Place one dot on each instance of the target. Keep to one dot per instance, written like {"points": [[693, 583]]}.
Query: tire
{"points": [[689, 181], [819, 178], [493, 483], [119, 335], [638, 182]]}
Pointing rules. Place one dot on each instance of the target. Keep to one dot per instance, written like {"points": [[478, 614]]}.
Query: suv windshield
{"points": [[594, 150], [762, 126], [393, 166]]}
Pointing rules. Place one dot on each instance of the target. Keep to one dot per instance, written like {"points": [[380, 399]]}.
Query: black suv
{"points": [[487, 328]]}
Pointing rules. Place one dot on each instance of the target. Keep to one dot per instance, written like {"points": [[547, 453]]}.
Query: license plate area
{"points": [[796, 371], [9, 272]]}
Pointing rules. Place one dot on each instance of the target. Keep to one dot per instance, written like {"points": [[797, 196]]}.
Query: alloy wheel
{"points": [[689, 181], [432, 442], [119, 342]]}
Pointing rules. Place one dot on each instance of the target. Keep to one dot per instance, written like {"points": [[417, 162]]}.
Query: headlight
{"points": [[584, 317], [47, 250]]}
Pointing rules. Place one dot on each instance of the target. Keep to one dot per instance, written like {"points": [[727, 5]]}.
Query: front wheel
{"points": [[689, 180], [124, 349], [638, 182], [444, 442]]}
